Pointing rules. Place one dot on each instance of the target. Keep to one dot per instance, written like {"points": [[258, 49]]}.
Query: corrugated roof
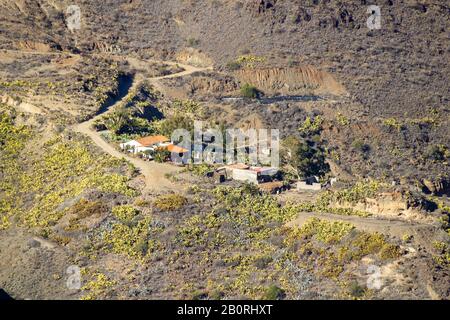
{"points": [[237, 166], [268, 186]]}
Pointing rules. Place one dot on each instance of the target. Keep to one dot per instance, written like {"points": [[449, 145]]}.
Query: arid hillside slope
{"points": [[399, 69]]}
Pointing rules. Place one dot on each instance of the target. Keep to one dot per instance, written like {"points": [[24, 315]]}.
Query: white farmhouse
{"points": [[150, 143]]}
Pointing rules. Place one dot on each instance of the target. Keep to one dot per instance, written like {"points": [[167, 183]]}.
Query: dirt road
{"points": [[396, 228]]}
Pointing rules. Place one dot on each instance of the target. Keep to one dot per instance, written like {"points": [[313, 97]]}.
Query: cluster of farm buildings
{"points": [[265, 177]]}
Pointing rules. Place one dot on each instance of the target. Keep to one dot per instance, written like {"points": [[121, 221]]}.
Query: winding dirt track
{"points": [[153, 172]]}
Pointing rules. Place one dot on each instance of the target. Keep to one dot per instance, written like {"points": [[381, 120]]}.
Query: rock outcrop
{"points": [[290, 81]]}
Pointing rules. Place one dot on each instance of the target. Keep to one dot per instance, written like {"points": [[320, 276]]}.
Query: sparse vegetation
{"points": [[311, 126], [342, 120], [250, 61], [393, 123], [325, 231], [97, 286], [438, 153], [131, 240]]}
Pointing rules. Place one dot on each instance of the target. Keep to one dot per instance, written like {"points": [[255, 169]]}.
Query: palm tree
{"points": [[118, 119]]}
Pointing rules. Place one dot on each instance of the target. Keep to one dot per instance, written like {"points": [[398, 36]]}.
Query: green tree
{"points": [[302, 159], [161, 155], [169, 125]]}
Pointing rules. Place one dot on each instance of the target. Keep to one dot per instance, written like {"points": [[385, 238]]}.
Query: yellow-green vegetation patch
{"points": [[188, 107], [131, 240], [342, 120], [250, 61], [12, 141], [97, 286], [67, 169], [125, 213], [325, 231], [393, 123], [358, 193], [200, 169], [245, 234], [59, 171], [311, 126], [369, 243], [192, 232], [247, 207], [170, 202], [443, 253]]}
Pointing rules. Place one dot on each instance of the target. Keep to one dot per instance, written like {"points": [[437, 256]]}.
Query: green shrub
{"points": [[302, 159], [311, 126], [249, 91], [170, 202], [233, 66], [390, 251], [192, 42], [356, 290], [178, 121], [274, 293], [161, 155]]}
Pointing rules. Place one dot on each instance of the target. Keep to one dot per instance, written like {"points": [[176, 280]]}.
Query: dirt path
{"points": [[154, 173], [396, 228]]}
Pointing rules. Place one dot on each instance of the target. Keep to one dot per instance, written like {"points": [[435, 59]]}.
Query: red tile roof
{"points": [[176, 149], [152, 140]]}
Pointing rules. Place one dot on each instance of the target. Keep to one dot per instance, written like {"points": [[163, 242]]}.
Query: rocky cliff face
{"points": [[291, 81]]}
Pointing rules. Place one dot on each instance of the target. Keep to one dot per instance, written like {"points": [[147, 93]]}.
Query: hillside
{"points": [[367, 109]]}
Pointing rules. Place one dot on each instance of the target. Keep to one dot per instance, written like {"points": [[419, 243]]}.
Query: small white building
{"points": [[150, 143]]}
